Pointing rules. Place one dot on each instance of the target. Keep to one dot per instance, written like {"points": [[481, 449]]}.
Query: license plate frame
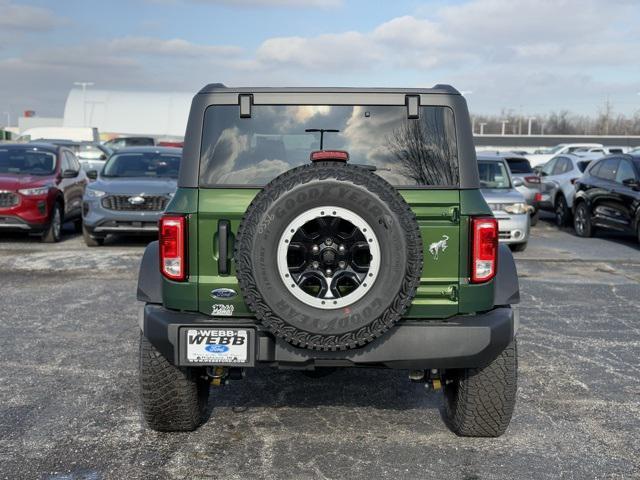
{"points": [[216, 357]]}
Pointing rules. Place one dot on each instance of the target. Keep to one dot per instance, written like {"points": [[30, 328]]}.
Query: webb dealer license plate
{"points": [[217, 345]]}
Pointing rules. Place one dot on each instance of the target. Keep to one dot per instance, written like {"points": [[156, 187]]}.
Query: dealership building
{"points": [[112, 112], [131, 113]]}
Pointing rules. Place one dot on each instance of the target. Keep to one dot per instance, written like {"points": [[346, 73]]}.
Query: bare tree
{"points": [[423, 149]]}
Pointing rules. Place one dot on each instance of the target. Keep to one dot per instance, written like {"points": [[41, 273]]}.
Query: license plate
{"points": [[217, 345]]}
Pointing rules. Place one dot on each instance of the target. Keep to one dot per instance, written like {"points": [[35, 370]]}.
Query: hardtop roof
{"points": [[440, 89]]}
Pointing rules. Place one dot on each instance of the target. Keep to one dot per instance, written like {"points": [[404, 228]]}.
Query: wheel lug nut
{"points": [[342, 264], [341, 249], [328, 272], [315, 249], [328, 241], [315, 264]]}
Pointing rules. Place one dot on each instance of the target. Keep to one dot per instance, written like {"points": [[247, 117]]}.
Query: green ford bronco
{"points": [[318, 228]]}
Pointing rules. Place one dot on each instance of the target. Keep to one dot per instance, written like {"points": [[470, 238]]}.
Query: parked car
{"points": [[608, 196], [602, 151], [508, 204], [130, 192], [92, 155], [41, 187], [543, 156], [558, 184], [276, 254], [524, 179], [75, 134], [125, 142]]}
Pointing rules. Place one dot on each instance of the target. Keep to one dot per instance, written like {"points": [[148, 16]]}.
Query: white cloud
{"points": [[343, 50], [26, 17], [509, 52], [175, 47], [262, 3]]}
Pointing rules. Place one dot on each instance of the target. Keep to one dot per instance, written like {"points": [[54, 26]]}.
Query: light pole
{"points": [[482, 124], [531, 119], [504, 122], [84, 86]]}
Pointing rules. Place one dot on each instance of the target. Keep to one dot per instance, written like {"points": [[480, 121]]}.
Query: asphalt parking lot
{"points": [[68, 383]]}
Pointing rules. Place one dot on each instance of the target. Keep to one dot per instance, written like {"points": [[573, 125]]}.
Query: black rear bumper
{"points": [[459, 342]]}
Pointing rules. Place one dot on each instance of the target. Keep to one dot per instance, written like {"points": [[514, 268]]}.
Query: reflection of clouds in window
{"points": [[229, 146], [365, 135], [303, 113], [253, 151], [259, 174]]}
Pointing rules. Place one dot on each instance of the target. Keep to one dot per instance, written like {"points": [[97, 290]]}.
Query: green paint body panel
{"points": [[444, 290]]}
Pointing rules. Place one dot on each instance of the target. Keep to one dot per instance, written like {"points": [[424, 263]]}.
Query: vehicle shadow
{"points": [[620, 238], [68, 233], [381, 389], [128, 240]]}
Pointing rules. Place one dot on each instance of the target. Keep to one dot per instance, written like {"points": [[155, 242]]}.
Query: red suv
{"points": [[41, 187]]}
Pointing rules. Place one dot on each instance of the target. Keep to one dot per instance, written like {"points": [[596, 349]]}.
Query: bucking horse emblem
{"points": [[440, 246]]}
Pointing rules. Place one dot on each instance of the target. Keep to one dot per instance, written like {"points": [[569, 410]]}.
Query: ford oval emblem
{"points": [[216, 348], [223, 293], [136, 200]]}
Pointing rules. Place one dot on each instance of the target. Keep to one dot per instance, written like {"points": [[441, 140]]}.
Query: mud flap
{"points": [[149, 279], [506, 287]]}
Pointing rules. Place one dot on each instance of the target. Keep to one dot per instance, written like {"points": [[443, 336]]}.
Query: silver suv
{"points": [[558, 178], [130, 193]]}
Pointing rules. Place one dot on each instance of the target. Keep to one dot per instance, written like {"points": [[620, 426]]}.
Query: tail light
{"points": [[484, 249], [320, 155], [173, 232], [537, 197], [532, 179]]}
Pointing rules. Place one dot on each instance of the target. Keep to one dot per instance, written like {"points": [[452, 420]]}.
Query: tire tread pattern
{"points": [[481, 402], [173, 399]]}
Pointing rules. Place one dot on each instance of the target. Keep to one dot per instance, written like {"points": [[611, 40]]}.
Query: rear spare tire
{"points": [[328, 256]]}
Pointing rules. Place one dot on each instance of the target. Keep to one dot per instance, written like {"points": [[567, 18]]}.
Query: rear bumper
{"points": [[458, 342]]}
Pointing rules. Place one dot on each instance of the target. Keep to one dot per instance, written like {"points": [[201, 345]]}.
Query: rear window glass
{"points": [[142, 165], [519, 165], [253, 151], [493, 175]]}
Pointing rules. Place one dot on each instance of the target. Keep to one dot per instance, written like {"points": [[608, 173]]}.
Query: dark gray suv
{"points": [[130, 193]]}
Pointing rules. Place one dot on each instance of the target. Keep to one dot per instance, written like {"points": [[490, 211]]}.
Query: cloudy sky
{"points": [[529, 55]]}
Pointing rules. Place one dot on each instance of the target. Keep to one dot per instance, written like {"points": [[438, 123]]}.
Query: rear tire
{"points": [[582, 221], [90, 240], [77, 225], [173, 399], [54, 230], [562, 212], [479, 402]]}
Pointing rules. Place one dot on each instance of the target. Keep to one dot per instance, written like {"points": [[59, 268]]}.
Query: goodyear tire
{"points": [[328, 256]]}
